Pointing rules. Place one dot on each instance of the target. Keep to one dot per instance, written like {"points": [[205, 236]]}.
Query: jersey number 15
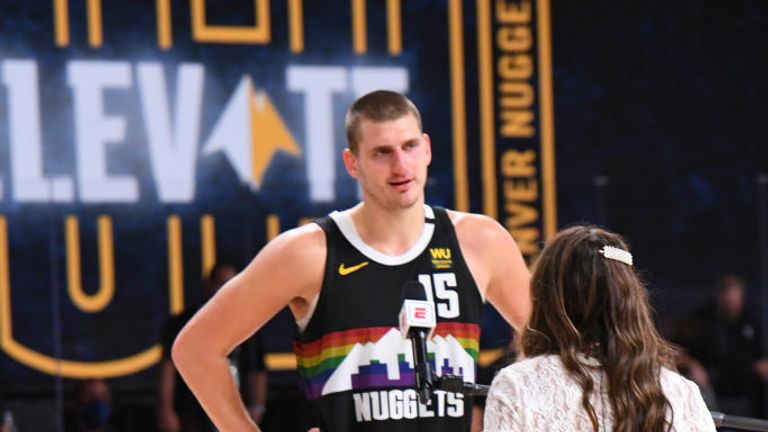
{"points": [[444, 287]]}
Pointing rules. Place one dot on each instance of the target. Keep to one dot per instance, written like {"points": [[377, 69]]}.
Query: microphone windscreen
{"points": [[413, 290], [417, 312]]}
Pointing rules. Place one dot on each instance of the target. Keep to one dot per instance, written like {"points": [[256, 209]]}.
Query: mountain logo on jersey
{"points": [[378, 356], [389, 363]]}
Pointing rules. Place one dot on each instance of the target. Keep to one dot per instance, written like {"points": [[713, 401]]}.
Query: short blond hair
{"points": [[377, 106]]}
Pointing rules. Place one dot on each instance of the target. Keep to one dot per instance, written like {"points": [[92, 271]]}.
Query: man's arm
{"points": [[288, 270], [496, 265]]}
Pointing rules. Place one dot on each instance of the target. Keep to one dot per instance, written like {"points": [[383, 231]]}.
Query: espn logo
{"points": [[417, 314]]}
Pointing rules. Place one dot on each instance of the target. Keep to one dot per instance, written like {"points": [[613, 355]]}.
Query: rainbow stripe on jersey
{"points": [[376, 357]]}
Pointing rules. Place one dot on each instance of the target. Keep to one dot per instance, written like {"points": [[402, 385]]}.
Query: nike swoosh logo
{"points": [[347, 270]]}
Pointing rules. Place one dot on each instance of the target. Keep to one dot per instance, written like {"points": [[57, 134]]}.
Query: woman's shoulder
{"points": [[671, 380], [531, 368], [690, 410], [676, 387]]}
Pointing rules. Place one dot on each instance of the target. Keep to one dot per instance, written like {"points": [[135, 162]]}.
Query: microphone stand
{"points": [[425, 378], [743, 423], [456, 384]]}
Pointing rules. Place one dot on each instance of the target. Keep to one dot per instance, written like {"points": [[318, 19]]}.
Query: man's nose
{"points": [[398, 161]]}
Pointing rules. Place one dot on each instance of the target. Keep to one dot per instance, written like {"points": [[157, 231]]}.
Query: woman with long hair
{"points": [[590, 356]]}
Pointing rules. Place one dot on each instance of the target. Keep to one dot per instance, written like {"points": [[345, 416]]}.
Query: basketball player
{"points": [[342, 279]]}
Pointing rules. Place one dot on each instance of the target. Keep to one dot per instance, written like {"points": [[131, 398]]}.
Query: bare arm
{"points": [[496, 264], [287, 271]]}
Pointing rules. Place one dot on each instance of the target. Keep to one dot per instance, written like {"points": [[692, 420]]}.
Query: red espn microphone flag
{"points": [[417, 314]]}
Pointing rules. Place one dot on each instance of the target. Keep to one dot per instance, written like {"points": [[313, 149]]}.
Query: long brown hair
{"points": [[587, 304]]}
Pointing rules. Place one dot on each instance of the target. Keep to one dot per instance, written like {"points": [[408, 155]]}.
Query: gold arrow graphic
{"points": [[268, 135]]}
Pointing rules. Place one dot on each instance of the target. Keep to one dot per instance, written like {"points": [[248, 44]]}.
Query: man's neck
{"points": [[392, 232]]}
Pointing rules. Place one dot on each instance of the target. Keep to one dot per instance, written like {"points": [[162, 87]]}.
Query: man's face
{"points": [[732, 300], [391, 162]]}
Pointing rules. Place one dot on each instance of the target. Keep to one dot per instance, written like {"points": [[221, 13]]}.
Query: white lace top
{"points": [[537, 394]]}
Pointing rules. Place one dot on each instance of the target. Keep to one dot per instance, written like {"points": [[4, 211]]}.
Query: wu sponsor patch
{"points": [[441, 258]]}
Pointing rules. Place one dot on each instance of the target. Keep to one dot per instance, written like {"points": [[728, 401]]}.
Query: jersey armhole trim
{"points": [[304, 321]]}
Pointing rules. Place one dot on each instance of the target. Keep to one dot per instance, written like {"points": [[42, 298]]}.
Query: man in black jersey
{"points": [[342, 279]]}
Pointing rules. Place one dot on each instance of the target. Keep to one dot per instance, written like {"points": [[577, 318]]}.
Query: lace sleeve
{"points": [[689, 412], [697, 409], [501, 412]]}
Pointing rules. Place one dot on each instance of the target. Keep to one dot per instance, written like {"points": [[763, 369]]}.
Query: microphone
{"points": [[417, 321]]}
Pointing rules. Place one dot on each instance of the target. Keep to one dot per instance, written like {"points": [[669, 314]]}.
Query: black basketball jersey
{"points": [[356, 368]]}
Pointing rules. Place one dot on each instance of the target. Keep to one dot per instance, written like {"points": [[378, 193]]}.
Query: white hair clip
{"points": [[617, 254]]}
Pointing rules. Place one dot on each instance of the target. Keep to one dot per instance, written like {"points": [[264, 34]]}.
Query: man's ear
{"points": [[428, 147], [350, 163]]}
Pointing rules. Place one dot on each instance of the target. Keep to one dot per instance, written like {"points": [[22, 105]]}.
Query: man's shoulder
{"points": [[293, 252], [308, 238], [476, 230], [472, 221]]}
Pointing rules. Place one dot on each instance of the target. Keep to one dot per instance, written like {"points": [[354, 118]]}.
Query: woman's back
{"points": [[537, 394]]}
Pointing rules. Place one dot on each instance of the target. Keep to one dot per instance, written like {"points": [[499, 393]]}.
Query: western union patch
{"points": [[441, 258]]}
